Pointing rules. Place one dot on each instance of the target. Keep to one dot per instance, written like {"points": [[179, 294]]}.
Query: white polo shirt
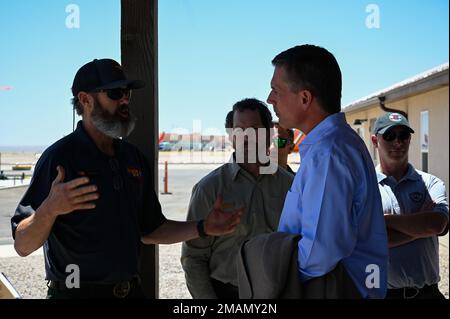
{"points": [[416, 263]]}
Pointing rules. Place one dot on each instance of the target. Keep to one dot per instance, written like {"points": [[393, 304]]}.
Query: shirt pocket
{"points": [[134, 186], [96, 178]]}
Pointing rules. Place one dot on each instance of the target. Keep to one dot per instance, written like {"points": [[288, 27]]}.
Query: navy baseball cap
{"points": [[102, 74], [389, 120]]}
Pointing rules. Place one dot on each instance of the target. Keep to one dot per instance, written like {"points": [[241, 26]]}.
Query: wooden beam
{"points": [[139, 49]]}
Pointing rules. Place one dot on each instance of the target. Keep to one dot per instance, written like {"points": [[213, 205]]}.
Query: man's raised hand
{"points": [[67, 197], [218, 222]]}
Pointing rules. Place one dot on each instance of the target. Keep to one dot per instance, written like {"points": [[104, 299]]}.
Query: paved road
{"points": [[8, 203]]}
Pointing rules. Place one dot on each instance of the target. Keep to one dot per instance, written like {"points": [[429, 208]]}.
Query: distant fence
{"points": [[194, 157]]}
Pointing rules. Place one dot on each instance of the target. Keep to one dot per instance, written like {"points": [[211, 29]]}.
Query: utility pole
{"points": [[139, 49]]}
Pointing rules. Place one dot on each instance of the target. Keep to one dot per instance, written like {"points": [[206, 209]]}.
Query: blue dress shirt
{"points": [[335, 205]]}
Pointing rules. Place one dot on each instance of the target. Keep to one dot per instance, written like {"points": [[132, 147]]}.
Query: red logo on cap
{"points": [[395, 117]]}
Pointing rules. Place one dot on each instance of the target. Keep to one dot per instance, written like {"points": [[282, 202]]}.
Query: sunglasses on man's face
{"points": [[117, 93], [402, 136], [280, 142]]}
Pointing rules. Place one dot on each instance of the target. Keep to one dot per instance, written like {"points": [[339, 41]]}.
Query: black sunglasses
{"points": [[117, 93], [390, 135]]}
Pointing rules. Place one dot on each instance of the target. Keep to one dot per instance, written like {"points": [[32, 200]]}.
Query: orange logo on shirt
{"points": [[135, 172]]}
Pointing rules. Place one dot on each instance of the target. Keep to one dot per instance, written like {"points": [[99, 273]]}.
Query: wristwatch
{"points": [[201, 229]]}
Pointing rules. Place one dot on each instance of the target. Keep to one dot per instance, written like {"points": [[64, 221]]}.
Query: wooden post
{"points": [[139, 48]]}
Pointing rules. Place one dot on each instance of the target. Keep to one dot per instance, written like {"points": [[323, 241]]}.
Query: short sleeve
{"points": [[438, 194], [44, 173], [151, 216]]}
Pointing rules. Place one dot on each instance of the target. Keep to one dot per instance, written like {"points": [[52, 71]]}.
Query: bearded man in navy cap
{"points": [[91, 201]]}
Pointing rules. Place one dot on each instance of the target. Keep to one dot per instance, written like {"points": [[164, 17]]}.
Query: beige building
{"points": [[425, 99]]}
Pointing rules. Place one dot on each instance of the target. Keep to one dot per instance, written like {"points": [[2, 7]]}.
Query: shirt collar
{"points": [[330, 122], [380, 175], [236, 168], [85, 139], [411, 174]]}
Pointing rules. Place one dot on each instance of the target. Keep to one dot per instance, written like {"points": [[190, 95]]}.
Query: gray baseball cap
{"points": [[388, 120]]}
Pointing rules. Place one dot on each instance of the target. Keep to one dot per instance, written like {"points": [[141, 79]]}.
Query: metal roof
{"points": [[425, 81]]}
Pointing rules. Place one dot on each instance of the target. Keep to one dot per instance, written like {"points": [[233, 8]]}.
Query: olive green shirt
{"points": [[263, 199]]}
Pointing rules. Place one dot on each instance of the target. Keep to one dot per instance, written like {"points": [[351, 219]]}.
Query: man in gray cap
{"points": [[91, 201], [416, 212]]}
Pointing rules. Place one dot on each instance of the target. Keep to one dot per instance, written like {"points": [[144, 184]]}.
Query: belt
{"points": [[411, 292], [118, 290]]}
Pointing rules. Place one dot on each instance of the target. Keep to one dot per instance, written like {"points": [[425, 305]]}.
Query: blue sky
{"points": [[211, 53]]}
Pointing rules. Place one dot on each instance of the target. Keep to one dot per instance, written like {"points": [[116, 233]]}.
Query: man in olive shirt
{"points": [[210, 262]]}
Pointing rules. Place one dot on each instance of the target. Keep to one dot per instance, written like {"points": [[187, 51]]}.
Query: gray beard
{"points": [[112, 125]]}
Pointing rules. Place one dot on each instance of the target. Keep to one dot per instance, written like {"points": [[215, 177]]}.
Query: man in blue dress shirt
{"points": [[334, 202]]}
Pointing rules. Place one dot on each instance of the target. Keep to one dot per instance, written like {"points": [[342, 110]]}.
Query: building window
{"points": [[424, 139]]}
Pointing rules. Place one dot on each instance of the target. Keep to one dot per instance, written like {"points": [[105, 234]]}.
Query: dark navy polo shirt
{"points": [[104, 242]]}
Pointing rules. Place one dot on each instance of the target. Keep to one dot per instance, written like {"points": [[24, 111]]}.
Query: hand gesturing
{"points": [[74, 195], [219, 222]]}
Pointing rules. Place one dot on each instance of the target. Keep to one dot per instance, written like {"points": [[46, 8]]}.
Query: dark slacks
{"points": [[225, 291]]}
